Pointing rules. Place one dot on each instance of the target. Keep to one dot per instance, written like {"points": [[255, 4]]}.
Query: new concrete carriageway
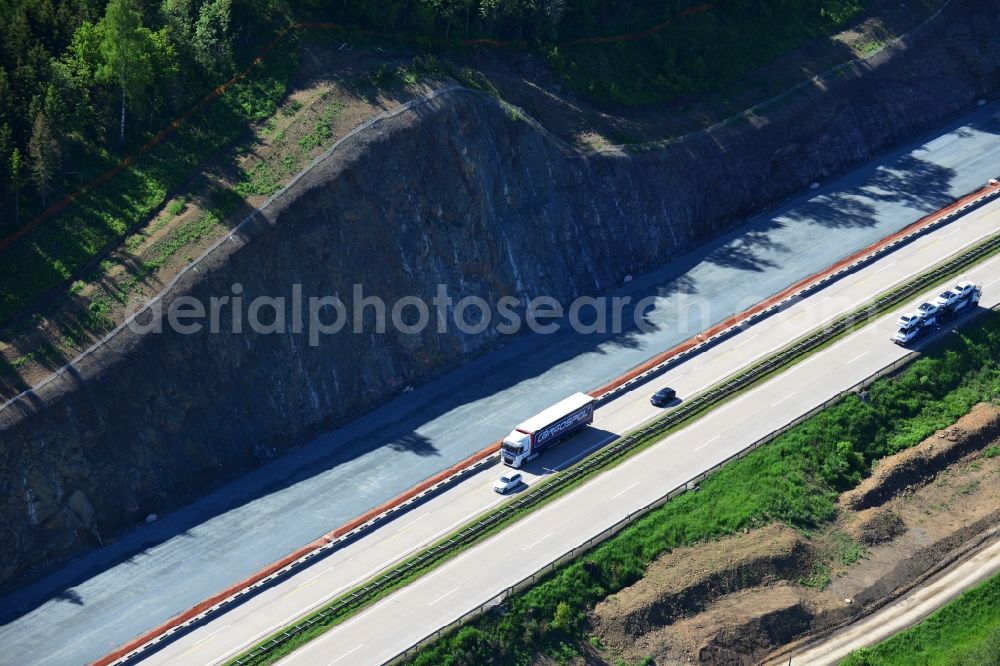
{"points": [[481, 573], [112, 595]]}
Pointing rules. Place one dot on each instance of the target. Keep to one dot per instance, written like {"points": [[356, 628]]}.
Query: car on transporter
{"points": [[928, 313], [946, 299], [908, 321], [946, 306]]}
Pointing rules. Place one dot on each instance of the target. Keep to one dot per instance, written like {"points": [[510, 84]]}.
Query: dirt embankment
{"points": [[923, 461], [743, 598], [684, 581]]}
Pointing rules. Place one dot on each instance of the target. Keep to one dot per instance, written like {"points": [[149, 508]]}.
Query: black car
{"points": [[663, 397]]}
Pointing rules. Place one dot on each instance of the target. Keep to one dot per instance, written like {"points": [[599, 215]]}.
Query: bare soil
{"points": [[744, 599], [920, 463], [873, 526]]}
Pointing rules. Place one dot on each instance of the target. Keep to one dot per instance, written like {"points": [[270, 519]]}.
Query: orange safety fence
{"points": [[270, 569], [196, 610]]}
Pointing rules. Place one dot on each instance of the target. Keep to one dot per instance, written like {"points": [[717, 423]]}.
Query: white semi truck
{"points": [[550, 427]]}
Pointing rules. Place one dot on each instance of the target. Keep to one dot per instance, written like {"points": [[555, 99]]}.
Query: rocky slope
{"points": [[457, 190]]}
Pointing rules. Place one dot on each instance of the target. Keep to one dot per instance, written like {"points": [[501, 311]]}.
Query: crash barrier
{"points": [[221, 602], [789, 296], [496, 600], [616, 450]]}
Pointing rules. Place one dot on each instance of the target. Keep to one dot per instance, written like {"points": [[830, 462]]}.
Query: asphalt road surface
{"points": [[680, 457], [473, 578], [115, 593]]}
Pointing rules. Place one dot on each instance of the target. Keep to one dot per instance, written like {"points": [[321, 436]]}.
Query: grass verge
{"points": [[325, 619], [794, 480]]}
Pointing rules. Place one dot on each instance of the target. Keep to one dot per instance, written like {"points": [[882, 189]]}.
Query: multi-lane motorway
{"points": [[483, 571], [116, 593]]}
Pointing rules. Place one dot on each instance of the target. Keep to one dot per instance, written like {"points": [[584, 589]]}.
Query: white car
{"points": [[927, 312], [964, 288], [904, 336], [908, 321], [507, 482], [946, 299]]}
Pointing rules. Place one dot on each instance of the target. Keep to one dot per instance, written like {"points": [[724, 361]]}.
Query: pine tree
{"points": [[43, 149], [16, 181]]}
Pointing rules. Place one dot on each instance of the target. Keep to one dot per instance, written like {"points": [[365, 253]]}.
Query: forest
{"points": [[83, 82]]}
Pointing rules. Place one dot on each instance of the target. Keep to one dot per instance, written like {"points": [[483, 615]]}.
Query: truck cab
{"points": [[516, 448]]}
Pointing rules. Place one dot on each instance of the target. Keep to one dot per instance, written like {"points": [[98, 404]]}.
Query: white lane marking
{"points": [[822, 300], [624, 490], [695, 368], [885, 268], [699, 448], [356, 581], [750, 339], [640, 422], [778, 402], [535, 543], [196, 645], [856, 358], [347, 654], [413, 522], [443, 596], [574, 458], [211, 634]]}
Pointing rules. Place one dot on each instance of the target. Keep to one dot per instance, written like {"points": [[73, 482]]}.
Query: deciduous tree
{"points": [[132, 55], [212, 36]]}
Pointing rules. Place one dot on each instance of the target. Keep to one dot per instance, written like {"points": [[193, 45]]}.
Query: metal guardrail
{"points": [[621, 446], [605, 397], [571, 554], [639, 513]]}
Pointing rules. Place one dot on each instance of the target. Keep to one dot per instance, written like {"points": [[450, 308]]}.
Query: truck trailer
{"points": [[546, 429]]}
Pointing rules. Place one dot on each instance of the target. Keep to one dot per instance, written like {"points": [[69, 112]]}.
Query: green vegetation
{"points": [[176, 206], [795, 480], [696, 45], [61, 246], [698, 53], [847, 550], [966, 632], [327, 617], [84, 86]]}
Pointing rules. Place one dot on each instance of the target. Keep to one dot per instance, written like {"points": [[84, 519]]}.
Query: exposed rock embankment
{"points": [[457, 191]]}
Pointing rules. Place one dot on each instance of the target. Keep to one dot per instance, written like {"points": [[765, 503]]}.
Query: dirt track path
{"points": [[901, 614]]}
